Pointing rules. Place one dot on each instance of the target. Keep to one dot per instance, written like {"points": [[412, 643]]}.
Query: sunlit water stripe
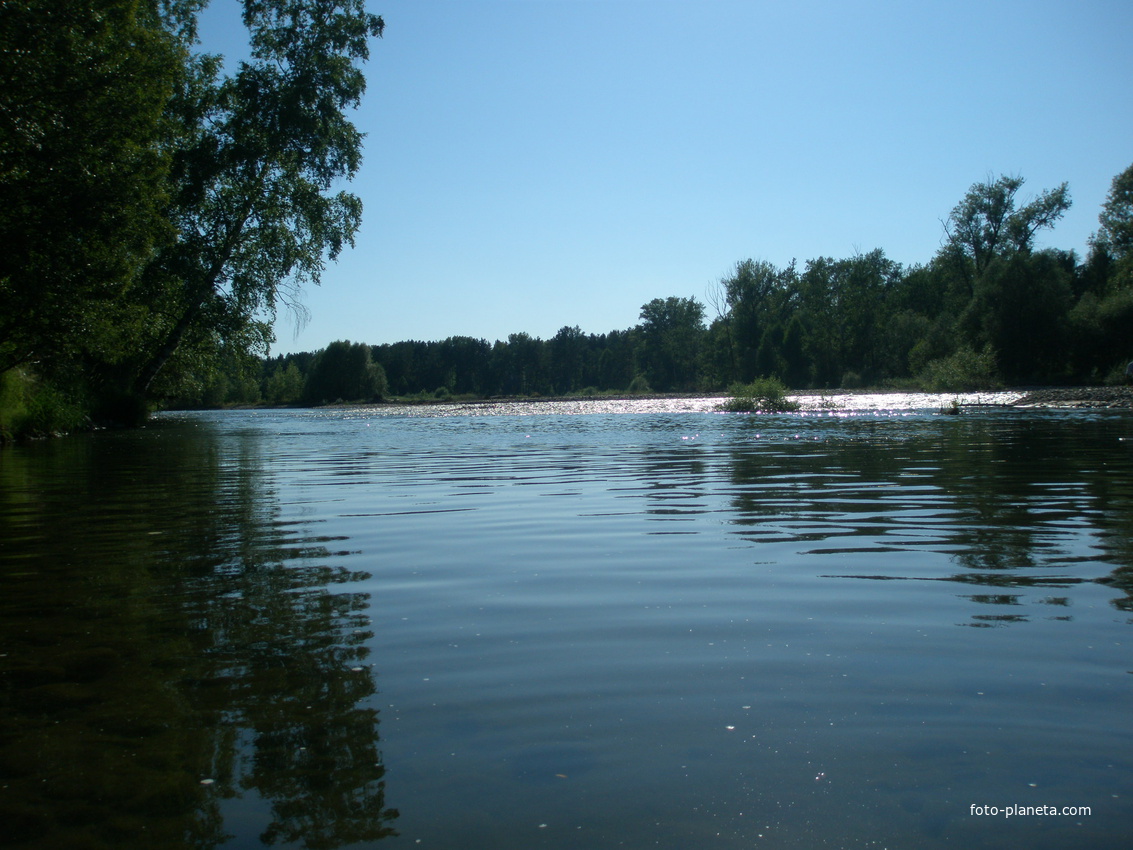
{"points": [[832, 404]]}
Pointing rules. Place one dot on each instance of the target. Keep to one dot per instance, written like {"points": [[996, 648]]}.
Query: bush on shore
{"points": [[763, 395]]}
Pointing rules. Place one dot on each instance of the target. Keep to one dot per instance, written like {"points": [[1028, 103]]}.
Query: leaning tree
{"points": [[257, 156]]}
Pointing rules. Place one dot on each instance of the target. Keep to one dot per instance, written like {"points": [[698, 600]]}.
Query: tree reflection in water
{"points": [[1033, 508], [284, 685], [171, 645]]}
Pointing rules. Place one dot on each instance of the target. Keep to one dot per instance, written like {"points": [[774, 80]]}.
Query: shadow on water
{"points": [[169, 645], [978, 501]]}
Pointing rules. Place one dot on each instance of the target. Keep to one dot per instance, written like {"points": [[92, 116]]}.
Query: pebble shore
{"points": [[1111, 398]]}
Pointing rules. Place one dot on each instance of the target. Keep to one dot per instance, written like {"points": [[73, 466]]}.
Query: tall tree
{"points": [[986, 268], [671, 333], [754, 294], [1020, 309], [567, 352], [255, 158], [824, 340], [864, 286]]}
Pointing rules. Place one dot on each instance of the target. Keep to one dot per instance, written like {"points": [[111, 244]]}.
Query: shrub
{"points": [[962, 371], [763, 395], [640, 385], [1115, 377]]}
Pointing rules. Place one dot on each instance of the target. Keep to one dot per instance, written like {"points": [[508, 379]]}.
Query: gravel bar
{"points": [[1113, 398]]}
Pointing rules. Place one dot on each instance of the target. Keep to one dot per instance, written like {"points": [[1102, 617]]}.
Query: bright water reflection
{"points": [[578, 627]]}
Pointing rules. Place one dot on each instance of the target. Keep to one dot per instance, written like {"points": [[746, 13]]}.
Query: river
{"points": [[591, 624]]}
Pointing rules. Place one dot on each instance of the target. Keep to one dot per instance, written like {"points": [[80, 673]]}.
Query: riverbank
{"points": [[1091, 398], [1054, 398], [1096, 397], [1060, 398]]}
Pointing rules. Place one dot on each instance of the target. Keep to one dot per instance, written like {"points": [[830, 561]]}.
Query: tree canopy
{"points": [[83, 173], [1113, 243], [156, 209], [987, 223], [1116, 218]]}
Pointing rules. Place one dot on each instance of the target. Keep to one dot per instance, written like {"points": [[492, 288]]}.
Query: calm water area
{"points": [[571, 625]]}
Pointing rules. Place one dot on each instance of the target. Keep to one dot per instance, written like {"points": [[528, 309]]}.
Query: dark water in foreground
{"points": [[665, 628]]}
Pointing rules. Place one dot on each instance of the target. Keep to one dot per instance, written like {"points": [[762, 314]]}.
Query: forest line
{"points": [[987, 310]]}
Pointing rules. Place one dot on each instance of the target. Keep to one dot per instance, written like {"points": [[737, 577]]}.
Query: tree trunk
{"points": [[172, 341], [201, 293]]}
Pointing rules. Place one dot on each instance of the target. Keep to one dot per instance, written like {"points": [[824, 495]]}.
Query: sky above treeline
{"points": [[535, 164]]}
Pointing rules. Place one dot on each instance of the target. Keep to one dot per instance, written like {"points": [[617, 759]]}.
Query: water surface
{"points": [[578, 625]]}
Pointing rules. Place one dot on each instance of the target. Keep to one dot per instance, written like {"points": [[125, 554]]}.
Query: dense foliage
{"points": [[82, 177], [154, 208]]}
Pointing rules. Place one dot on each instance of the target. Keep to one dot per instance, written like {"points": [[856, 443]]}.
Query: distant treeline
{"points": [[987, 309]]}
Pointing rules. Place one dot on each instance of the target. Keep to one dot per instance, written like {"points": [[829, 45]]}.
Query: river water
{"points": [[577, 625]]}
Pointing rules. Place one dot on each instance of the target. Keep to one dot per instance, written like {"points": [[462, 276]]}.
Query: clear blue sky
{"points": [[532, 164]]}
